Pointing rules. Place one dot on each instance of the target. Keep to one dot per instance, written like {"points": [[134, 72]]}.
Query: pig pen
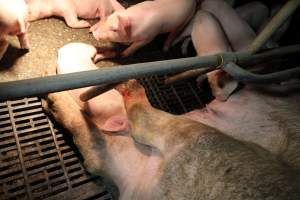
{"points": [[38, 159]]}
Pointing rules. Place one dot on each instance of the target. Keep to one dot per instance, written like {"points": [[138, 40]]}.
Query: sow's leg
{"points": [[134, 168]]}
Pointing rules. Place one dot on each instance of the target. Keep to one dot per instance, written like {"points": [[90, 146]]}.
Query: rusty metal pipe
{"points": [[283, 14], [186, 75], [97, 90]]}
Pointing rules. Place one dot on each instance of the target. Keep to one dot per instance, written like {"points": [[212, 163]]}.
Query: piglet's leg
{"points": [[239, 33], [104, 55], [254, 13], [208, 39], [170, 39], [22, 36], [103, 18], [72, 21], [97, 25], [134, 47], [23, 39], [207, 35], [3, 47]]}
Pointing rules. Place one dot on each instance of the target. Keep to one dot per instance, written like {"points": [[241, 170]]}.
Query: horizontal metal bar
{"points": [[96, 90], [243, 75], [256, 59], [40, 86], [186, 75]]}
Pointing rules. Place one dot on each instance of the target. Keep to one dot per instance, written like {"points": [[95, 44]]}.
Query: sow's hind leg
{"points": [[85, 134]]}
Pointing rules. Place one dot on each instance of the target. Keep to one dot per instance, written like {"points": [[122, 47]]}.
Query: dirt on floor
{"points": [[46, 36]]}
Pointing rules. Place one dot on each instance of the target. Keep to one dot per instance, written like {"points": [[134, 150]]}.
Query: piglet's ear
{"points": [[116, 124], [114, 24], [124, 25]]}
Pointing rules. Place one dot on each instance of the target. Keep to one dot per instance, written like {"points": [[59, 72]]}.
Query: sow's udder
{"points": [[264, 115]]}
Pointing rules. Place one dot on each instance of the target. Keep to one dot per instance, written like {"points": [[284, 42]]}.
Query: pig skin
{"points": [[164, 156], [71, 9], [75, 57], [13, 21], [265, 115], [131, 166], [141, 23], [232, 34], [240, 27], [195, 152], [92, 119], [238, 31], [217, 27], [209, 39]]}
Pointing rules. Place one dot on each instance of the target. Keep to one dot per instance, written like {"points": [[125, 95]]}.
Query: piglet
{"points": [[71, 9], [75, 57], [228, 30], [13, 21], [163, 156], [217, 28], [141, 23]]}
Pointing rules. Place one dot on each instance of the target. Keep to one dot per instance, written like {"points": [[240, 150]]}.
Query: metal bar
{"points": [[256, 59], [18, 144], [287, 10], [45, 85], [243, 75], [96, 90], [107, 75], [186, 75], [57, 150]]}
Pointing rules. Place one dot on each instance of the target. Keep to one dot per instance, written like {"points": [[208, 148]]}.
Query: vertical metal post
{"points": [[287, 10]]}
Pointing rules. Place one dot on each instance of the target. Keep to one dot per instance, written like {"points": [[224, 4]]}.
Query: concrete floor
{"points": [[46, 37]]}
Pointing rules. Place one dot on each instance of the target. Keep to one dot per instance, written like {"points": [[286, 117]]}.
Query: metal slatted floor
{"points": [[39, 161], [36, 161]]}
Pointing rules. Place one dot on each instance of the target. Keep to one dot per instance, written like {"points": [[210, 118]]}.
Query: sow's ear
{"points": [[115, 124]]}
